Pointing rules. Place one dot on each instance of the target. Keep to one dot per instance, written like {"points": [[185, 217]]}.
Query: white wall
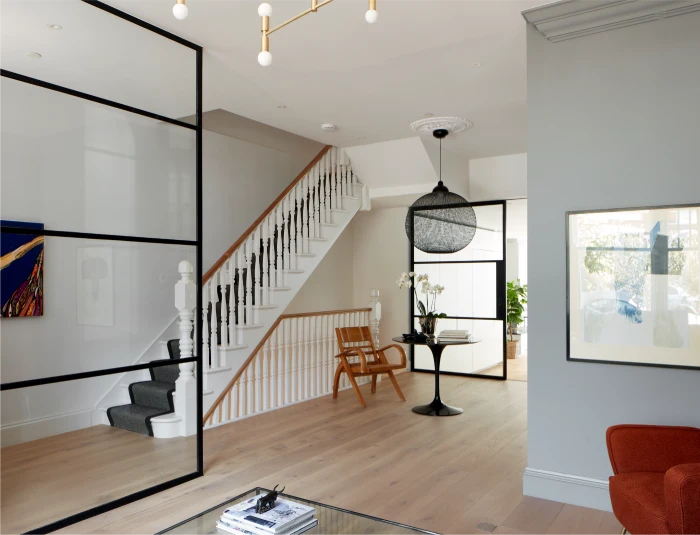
{"points": [[330, 286], [241, 179], [380, 255], [500, 177], [612, 123], [73, 165]]}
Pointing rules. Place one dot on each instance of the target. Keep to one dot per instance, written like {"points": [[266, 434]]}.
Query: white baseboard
{"points": [[44, 427], [567, 488]]}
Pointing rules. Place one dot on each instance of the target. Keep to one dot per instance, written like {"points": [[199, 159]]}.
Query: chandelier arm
{"points": [[297, 17]]}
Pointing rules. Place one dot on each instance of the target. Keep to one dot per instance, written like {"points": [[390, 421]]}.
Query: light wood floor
{"points": [[442, 474], [49, 479], [517, 368]]}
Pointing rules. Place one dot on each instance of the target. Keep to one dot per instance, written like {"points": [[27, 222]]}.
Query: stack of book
{"points": [[285, 518], [454, 335]]}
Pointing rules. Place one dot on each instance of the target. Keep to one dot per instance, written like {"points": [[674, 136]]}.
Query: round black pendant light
{"points": [[443, 229]]}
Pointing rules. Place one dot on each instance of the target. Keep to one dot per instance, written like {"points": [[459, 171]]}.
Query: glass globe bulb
{"points": [[265, 10], [371, 16], [265, 58], [180, 11]]}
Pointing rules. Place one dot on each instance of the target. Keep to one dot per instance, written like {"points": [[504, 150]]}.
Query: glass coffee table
{"points": [[330, 519]]}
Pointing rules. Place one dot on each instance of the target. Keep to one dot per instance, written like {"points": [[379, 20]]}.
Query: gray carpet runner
{"points": [[148, 398]]}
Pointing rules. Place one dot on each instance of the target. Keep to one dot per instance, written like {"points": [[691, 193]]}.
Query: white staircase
{"points": [[280, 251]]}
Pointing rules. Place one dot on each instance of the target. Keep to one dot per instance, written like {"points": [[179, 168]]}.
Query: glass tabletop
{"points": [[330, 519]]}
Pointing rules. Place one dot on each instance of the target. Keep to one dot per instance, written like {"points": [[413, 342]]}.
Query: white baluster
{"points": [[221, 277], [305, 215], [264, 289], [249, 281], [186, 385], [286, 398], [259, 378], [231, 300], [292, 231], [243, 396], [311, 215], [346, 176], [240, 259], [279, 275], [332, 176], [257, 289], [308, 333], [214, 298], [294, 391], [249, 402], [265, 376], [329, 195], [322, 191], [235, 413], [299, 224], [336, 179], [206, 330]]}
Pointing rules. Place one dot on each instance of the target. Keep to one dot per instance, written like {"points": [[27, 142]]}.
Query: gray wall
{"points": [[613, 122]]}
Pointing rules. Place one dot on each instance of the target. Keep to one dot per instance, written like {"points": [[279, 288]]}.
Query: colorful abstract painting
{"points": [[21, 271]]}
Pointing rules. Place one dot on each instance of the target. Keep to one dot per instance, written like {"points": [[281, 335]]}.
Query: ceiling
{"points": [[369, 80]]}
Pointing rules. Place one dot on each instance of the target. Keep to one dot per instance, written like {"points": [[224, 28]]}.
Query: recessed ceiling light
{"points": [[361, 138], [478, 64], [328, 127], [55, 26], [34, 55], [428, 115], [282, 107]]}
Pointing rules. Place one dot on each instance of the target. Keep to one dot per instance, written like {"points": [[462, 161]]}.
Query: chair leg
{"points": [[374, 384], [396, 385], [356, 389], [624, 531], [336, 380]]}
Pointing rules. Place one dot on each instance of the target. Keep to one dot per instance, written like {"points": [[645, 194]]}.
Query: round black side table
{"points": [[436, 407]]}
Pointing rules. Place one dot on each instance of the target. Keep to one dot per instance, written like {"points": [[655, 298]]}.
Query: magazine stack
{"points": [[454, 335], [285, 518]]}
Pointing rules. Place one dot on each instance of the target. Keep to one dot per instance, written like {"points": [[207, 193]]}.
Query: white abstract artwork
{"points": [[95, 284], [634, 286]]}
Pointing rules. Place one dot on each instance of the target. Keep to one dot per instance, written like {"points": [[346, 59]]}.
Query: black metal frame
{"points": [[567, 216], [261, 490], [197, 243], [500, 289]]}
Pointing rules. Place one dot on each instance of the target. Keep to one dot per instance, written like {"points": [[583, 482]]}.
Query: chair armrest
{"points": [[400, 349], [651, 448], [682, 492], [355, 351]]}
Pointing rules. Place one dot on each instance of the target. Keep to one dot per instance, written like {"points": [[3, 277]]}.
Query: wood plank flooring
{"points": [[441, 474], [49, 479]]}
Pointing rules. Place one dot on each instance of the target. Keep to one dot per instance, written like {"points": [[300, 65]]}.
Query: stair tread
{"points": [[153, 394], [306, 255], [293, 271], [329, 224], [280, 289], [318, 239], [133, 417]]}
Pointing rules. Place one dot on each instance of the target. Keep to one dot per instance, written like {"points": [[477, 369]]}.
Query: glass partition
{"points": [[47, 479], [101, 204], [473, 299]]}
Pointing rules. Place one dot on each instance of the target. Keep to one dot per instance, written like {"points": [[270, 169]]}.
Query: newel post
{"points": [[186, 385], [375, 314]]}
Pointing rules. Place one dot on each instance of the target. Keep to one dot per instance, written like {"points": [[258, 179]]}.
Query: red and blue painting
{"points": [[21, 271]]}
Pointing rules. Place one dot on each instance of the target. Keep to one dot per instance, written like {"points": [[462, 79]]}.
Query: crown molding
{"points": [[569, 19]]}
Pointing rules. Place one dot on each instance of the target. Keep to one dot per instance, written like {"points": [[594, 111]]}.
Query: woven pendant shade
{"points": [[444, 229]]}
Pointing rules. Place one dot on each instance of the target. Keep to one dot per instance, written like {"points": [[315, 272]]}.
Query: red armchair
{"points": [[656, 486]]}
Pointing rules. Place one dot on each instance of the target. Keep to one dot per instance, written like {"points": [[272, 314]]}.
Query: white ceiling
{"points": [[370, 80]]}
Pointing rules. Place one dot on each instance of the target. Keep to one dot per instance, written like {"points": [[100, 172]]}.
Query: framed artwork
{"points": [[633, 286], [21, 271]]}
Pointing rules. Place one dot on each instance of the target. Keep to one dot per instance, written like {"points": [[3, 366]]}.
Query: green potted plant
{"points": [[516, 298], [428, 314]]}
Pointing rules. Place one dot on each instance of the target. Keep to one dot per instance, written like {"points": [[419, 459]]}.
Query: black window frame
{"points": [[197, 243]]}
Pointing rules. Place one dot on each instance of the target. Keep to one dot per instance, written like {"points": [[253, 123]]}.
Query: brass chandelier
{"points": [[265, 11]]}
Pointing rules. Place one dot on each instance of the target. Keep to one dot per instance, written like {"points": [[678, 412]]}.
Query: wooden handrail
{"points": [[255, 351], [220, 262]]}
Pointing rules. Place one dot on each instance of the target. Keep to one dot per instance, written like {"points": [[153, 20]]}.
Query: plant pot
{"points": [[428, 326], [513, 349]]}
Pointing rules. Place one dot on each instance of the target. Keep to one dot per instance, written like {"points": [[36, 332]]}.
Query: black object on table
{"points": [[436, 407]]}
